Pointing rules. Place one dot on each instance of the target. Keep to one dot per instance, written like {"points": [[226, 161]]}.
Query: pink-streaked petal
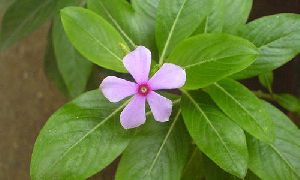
{"points": [[133, 115], [138, 64], [169, 76], [161, 107], [116, 89]]}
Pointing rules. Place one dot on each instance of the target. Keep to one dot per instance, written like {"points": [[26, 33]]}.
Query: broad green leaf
{"points": [[94, 37], [214, 172], [288, 101], [51, 69], [216, 135], [278, 39], [74, 69], [80, 139], [22, 18], [281, 159], [194, 168], [147, 7], [208, 58], [201, 167], [243, 107], [177, 20], [236, 13], [266, 79], [158, 152], [226, 16], [213, 22], [135, 20]]}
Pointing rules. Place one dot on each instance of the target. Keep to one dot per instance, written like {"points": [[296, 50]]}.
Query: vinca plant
{"points": [[170, 105]]}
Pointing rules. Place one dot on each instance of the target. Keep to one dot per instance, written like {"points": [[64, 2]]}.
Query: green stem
{"points": [[263, 95]]}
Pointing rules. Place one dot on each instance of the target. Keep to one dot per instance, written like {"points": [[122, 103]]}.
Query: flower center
{"points": [[143, 89]]}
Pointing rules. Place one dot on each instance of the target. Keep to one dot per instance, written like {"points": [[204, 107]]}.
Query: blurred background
{"points": [[28, 98]]}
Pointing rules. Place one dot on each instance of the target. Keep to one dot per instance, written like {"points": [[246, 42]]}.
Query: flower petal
{"points": [[169, 76], [138, 64], [116, 89], [133, 115], [161, 107]]}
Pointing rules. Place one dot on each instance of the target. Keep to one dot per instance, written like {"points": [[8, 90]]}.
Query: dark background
{"points": [[27, 98]]}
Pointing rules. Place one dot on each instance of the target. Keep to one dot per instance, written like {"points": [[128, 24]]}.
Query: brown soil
{"points": [[27, 97]]}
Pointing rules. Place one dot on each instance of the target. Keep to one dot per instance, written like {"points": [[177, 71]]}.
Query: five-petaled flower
{"points": [[137, 63]]}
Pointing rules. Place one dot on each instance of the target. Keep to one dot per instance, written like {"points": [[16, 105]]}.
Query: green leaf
{"points": [[51, 69], [243, 107], [201, 167], [135, 20], [226, 16], [159, 151], [22, 18], [194, 168], [80, 139], [213, 21], [278, 39], [74, 69], [178, 20], [214, 172], [147, 7], [208, 58], [281, 159], [216, 135], [288, 101], [236, 13], [94, 38], [266, 79]]}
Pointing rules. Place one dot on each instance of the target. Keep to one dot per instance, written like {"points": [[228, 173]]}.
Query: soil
{"points": [[28, 98]]}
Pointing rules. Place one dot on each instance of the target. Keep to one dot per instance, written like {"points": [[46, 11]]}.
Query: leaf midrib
{"points": [[213, 60], [211, 125], [88, 133], [171, 33], [284, 160], [278, 39], [95, 128], [163, 143], [91, 36], [240, 105], [114, 21]]}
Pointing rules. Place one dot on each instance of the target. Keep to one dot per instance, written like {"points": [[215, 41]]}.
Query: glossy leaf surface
{"points": [[158, 152], [135, 21], [226, 16], [94, 37], [215, 135], [80, 139], [281, 159], [176, 20], [243, 107], [209, 58], [74, 68], [278, 39]]}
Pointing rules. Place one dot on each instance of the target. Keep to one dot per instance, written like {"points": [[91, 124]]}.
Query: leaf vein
{"points": [[98, 42], [239, 104], [171, 33], [212, 126]]}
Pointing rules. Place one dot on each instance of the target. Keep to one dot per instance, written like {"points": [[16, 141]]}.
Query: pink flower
{"points": [[138, 62]]}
